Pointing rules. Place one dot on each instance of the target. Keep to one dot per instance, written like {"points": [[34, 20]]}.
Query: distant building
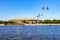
{"points": [[25, 21]]}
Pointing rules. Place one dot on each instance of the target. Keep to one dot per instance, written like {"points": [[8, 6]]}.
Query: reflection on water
{"points": [[29, 32]]}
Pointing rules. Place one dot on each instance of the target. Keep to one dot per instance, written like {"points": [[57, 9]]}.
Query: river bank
{"points": [[31, 25], [40, 24], [1, 24]]}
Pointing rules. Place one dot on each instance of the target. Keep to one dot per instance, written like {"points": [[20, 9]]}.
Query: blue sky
{"points": [[11, 9]]}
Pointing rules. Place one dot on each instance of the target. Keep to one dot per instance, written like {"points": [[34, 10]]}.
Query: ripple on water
{"points": [[30, 33]]}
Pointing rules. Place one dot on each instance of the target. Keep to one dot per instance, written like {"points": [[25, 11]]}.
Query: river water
{"points": [[29, 32]]}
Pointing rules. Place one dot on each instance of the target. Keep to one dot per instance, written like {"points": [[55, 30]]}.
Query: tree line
{"points": [[40, 22], [49, 21], [7, 22]]}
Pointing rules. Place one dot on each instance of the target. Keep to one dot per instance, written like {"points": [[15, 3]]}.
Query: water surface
{"points": [[29, 32]]}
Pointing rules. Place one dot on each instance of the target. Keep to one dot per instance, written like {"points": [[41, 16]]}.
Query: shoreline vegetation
{"points": [[40, 23]]}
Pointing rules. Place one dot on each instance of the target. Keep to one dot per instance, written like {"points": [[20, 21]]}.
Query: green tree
{"points": [[47, 22], [25, 22], [40, 21], [54, 21], [1, 22]]}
